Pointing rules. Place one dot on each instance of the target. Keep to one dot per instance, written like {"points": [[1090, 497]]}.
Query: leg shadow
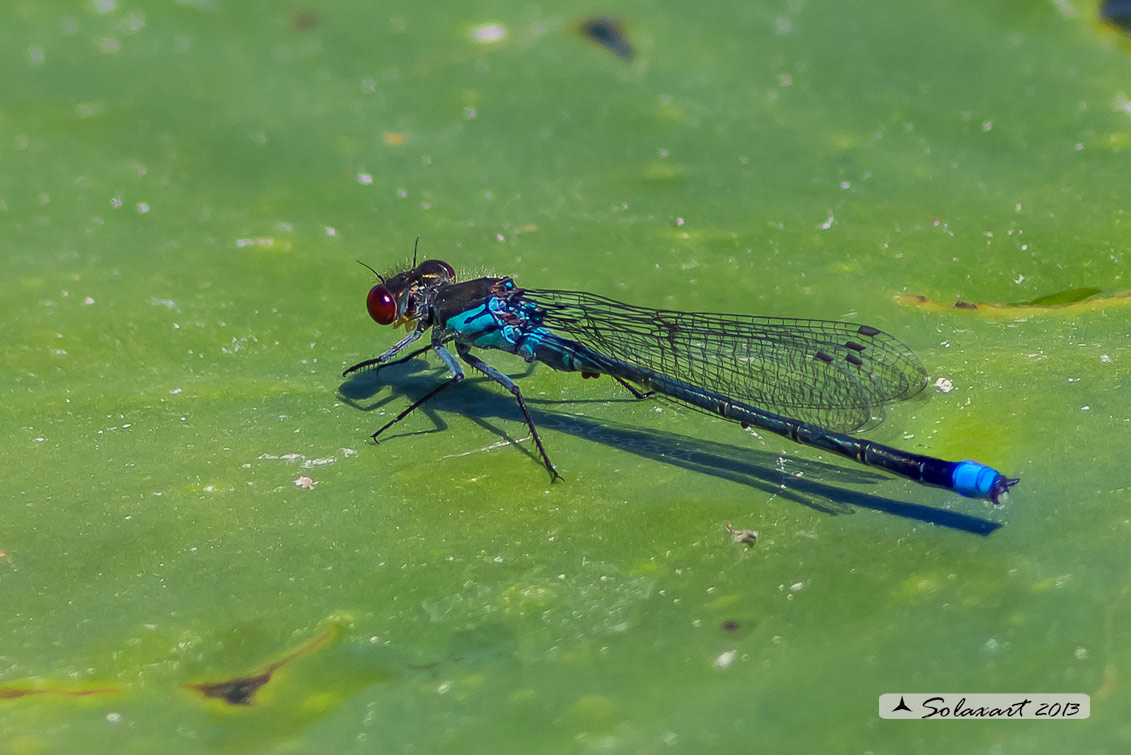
{"points": [[794, 478]]}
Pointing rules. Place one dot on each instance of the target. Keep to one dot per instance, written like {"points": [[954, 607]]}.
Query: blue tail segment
{"points": [[974, 480]]}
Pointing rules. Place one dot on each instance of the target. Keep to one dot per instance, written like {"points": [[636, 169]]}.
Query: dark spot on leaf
{"points": [[241, 690], [304, 20], [730, 626], [1117, 13], [609, 33], [964, 305], [238, 691]]}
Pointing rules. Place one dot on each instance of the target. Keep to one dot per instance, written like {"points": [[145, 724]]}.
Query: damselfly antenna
{"points": [[379, 276]]}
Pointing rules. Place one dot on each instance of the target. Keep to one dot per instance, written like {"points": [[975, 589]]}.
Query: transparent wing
{"points": [[835, 374]]}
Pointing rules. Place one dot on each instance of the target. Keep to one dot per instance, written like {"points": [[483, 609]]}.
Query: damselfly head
{"points": [[395, 299]]}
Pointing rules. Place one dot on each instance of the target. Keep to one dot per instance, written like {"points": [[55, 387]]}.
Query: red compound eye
{"points": [[381, 305]]}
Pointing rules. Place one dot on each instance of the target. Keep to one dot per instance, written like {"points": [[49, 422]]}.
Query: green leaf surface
{"points": [[1062, 298], [192, 498]]}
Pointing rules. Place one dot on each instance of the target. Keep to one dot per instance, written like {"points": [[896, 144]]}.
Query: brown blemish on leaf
{"points": [[304, 20], [242, 689], [1071, 301], [239, 691], [14, 693]]}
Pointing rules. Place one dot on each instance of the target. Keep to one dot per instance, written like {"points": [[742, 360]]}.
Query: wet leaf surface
{"points": [[186, 188]]}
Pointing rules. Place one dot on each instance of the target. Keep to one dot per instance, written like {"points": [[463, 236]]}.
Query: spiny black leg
{"points": [[377, 361], [554, 476], [361, 366], [392, 351], [416, 404], [511, 386]]}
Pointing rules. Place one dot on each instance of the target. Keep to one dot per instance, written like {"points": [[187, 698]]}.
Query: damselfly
{"points": [[812, 381]]}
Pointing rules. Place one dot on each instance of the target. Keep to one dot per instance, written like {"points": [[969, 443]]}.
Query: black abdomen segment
{"points": [[967, 478]]}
